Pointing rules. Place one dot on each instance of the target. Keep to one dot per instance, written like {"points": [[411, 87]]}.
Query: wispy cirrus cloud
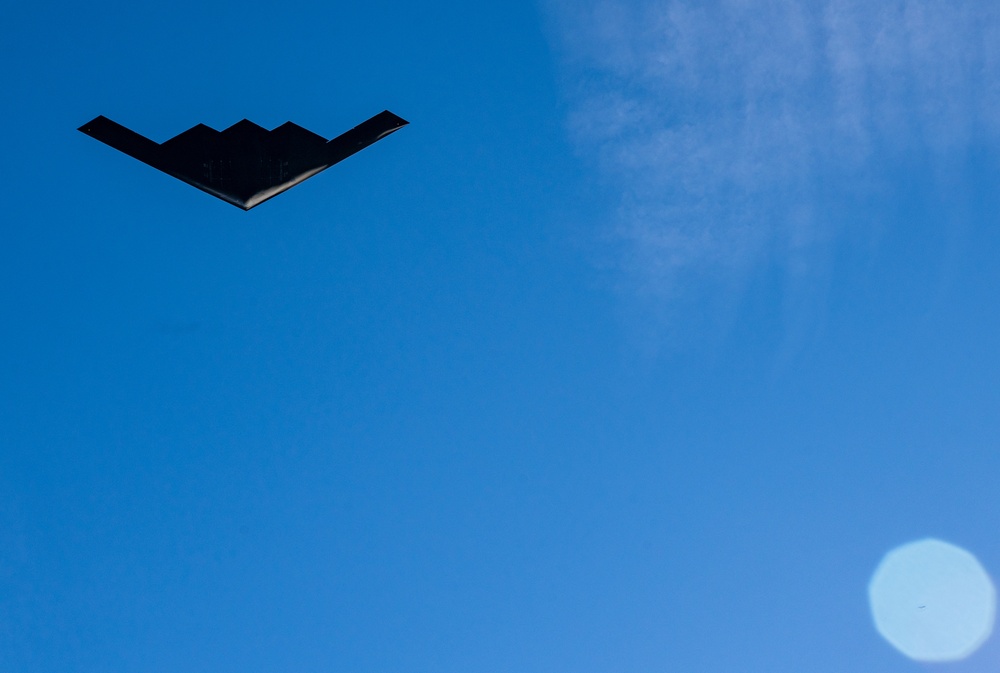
{"points": [[719, 121]]}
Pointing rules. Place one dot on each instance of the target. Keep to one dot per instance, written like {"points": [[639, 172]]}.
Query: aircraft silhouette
{"points": [[245, 164]]}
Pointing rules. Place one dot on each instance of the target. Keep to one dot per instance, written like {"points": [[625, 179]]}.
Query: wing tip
{"points": [[88, 128], [394, 117]]}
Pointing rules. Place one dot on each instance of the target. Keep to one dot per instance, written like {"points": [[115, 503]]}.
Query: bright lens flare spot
{"points": [[932, 601]]}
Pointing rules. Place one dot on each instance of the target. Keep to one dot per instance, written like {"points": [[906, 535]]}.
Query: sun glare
{"points": [[932, 601]]}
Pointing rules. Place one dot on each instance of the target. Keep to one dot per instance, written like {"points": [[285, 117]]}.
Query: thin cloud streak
{"points": [[718, 122]]}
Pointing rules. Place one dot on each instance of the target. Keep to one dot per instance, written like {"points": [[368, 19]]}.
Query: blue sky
{"points": [[658, 327]]}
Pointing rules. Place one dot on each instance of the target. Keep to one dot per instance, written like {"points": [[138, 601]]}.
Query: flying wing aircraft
{"points": [[245, 164]]}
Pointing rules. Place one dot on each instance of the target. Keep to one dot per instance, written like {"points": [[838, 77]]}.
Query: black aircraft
{"points": [[245, 164]]}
